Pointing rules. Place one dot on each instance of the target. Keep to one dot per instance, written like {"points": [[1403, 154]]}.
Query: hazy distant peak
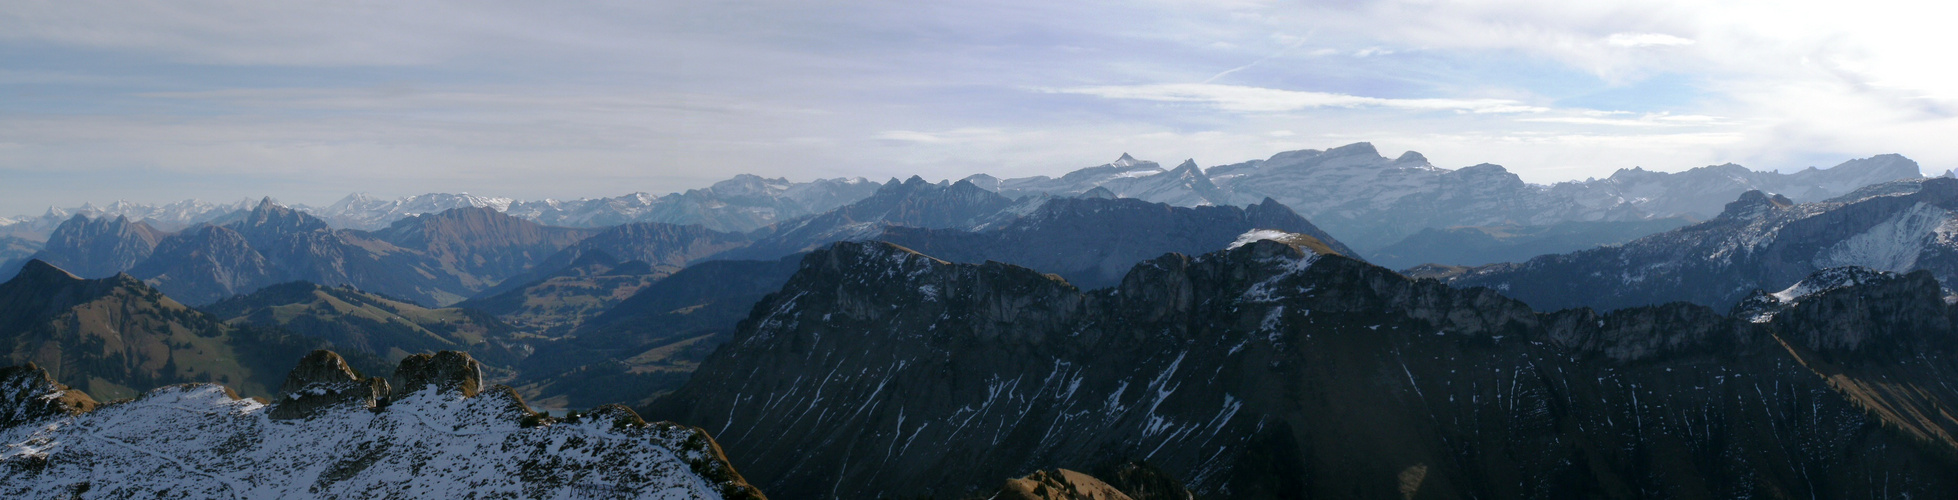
{"points": [[1124, 161]]}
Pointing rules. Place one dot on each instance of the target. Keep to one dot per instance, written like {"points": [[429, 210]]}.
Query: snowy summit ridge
{"points": [[433, 441]]}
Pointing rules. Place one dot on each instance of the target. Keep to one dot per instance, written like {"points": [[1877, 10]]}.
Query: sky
{"points": [[310, 101]]}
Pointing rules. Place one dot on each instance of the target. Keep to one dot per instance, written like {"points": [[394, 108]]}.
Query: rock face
{"points": [[1760, 241], [101, 247], [433, 441], [321, 381], [1092, 242], [28, 394], [1268, 372], [446, 371]]}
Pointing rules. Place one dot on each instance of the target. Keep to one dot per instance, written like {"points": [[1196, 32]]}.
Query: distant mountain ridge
{"points": [[1370, 201], [743, 203], [1760, 241], [1367, 200]]}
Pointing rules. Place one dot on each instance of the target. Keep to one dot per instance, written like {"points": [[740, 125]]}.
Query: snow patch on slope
{"points": [[1256, 235], [1892, 245]]}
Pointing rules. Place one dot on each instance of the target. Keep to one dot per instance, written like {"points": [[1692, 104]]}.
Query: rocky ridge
{"points": [[1759, 241], [1267, 371], [1372, 201], [438, 440]]}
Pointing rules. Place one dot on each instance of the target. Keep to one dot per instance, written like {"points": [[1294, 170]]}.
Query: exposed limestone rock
{"points": [[321, 380], [28, 394], [446, 370]]}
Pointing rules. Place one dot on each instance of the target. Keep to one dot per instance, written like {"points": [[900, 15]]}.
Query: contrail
{"points": [[1308, 36]]}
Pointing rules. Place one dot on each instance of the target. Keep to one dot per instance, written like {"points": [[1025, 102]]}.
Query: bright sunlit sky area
{"points": [[310, 101]]}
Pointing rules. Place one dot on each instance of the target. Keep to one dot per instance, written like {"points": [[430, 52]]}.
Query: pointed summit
{"points": [[1125, 161], [38, 270]]}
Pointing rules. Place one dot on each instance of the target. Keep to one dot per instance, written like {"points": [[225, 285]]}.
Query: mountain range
{"points": [[1123, 331], [1759, 241], [1371, 201], [1365, 199], [1269, 370]]}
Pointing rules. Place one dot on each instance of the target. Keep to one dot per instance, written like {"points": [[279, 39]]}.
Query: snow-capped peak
{"points": [[1125, 161]]}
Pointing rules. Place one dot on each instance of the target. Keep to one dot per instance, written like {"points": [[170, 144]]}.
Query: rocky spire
{"points": [[322, 380], [28, 394], [447, 371], [1754, 203]]}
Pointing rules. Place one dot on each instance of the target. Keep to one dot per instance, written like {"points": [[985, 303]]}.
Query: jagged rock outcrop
{"points": [[429, 442], [1759, 242], [28, 394], [447, 371], [1268, 372], [323, 380]]}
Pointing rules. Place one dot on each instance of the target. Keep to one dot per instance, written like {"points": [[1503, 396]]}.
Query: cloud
{"points": [[1246, 99], [524, 99], [1648, 120], [1645, 40]]}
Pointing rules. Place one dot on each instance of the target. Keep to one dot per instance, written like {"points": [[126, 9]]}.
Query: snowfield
{"points": [[200, 441]]}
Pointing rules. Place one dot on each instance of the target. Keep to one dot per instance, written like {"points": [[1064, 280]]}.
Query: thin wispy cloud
{"points": [[1645, 40], [1239, 98], [309, 100]]}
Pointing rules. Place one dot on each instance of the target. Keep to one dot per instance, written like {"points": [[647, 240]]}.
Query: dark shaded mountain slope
{"points": [[1267, 372], [650, 343]]}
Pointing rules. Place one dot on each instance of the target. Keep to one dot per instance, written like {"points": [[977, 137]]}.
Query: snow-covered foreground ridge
{"points": [[442, 439]]}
